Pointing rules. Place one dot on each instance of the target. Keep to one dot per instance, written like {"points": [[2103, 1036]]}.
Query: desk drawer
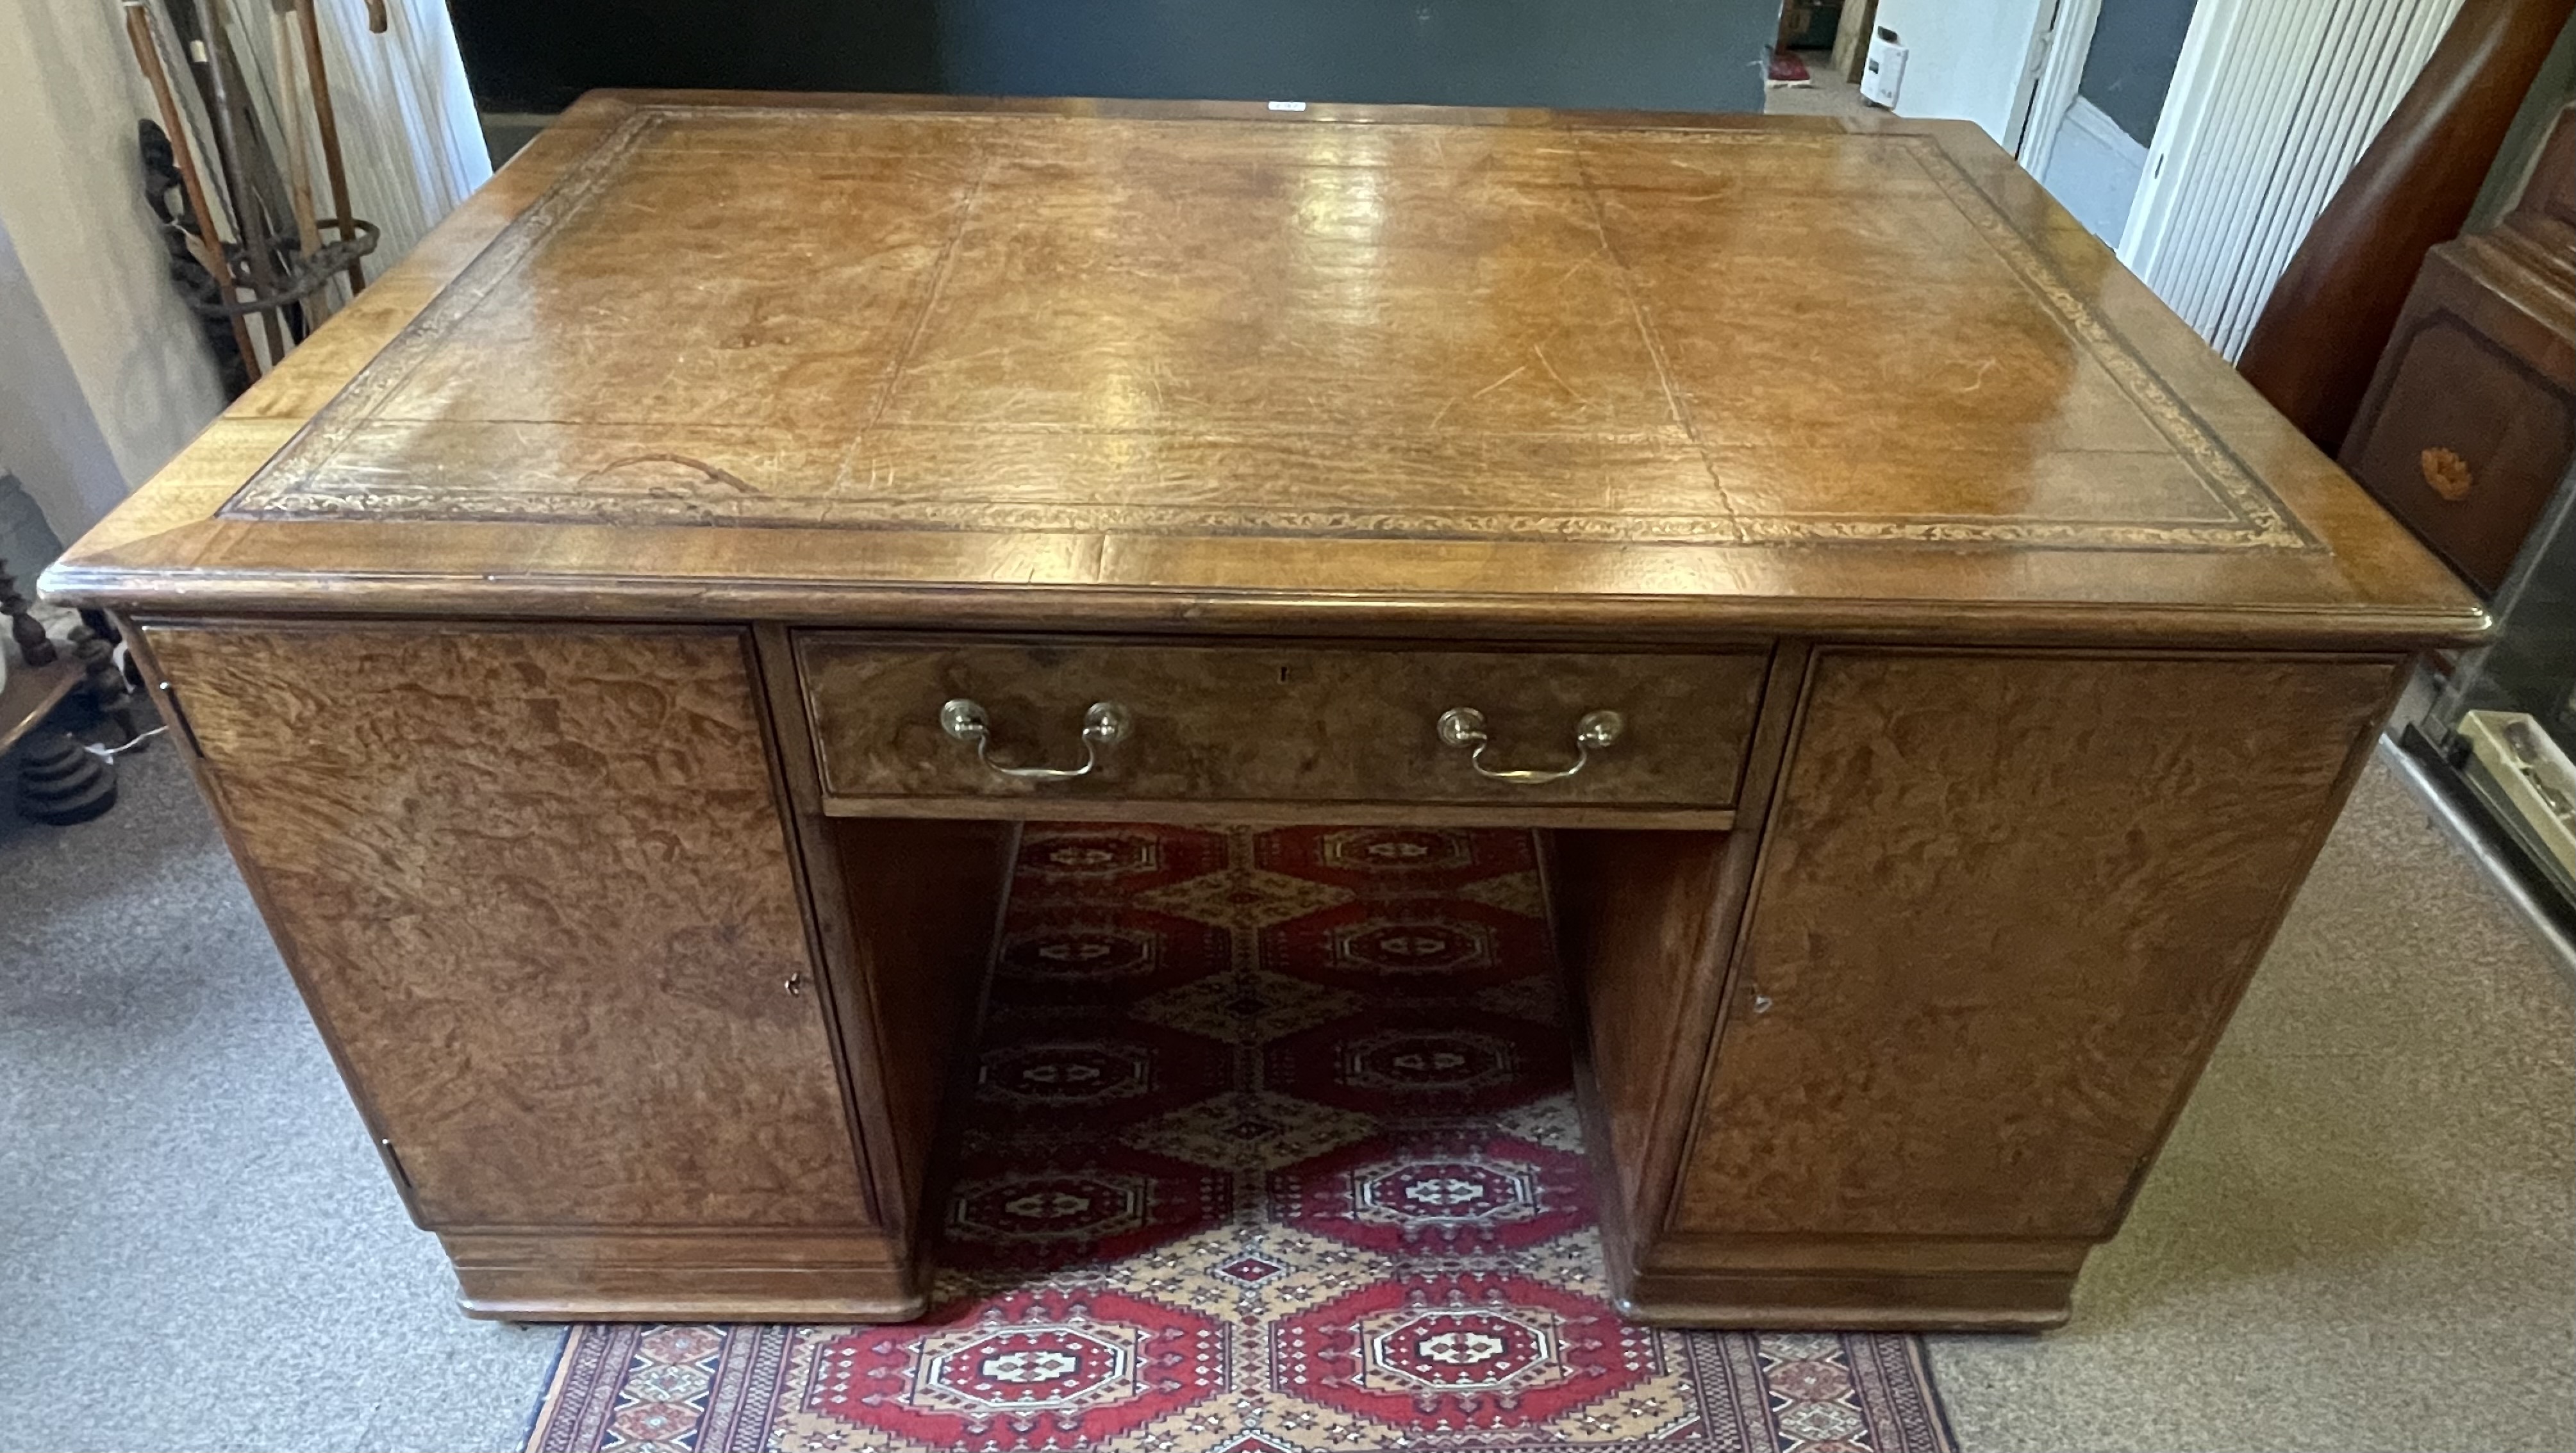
{"points": [[1281, 724]]}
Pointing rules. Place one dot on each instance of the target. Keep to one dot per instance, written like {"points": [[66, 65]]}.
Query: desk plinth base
{"points": [[1795, 1283], [791, 1276], [1799, 1284]]}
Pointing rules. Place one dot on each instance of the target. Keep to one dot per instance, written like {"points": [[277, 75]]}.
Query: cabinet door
{"points": [[2004, 906], [539, 896]]}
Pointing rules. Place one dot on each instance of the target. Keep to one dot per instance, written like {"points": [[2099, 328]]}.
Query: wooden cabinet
{"points": [[538, 893], [2004, 905], [2471, 421], [2082, 853]]}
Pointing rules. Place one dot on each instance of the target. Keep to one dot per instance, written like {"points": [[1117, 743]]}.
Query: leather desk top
{"points": [[1134, 366]]}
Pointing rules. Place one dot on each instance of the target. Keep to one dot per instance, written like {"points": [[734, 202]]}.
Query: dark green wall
{"points": [[1692, 55]]}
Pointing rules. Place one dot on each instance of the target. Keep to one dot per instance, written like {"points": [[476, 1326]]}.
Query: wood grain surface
{"points": [[762, 1275], [2470, 422], [1642, 916], [1206, 367], [1097, 324], [2005, 905], [1838, 1284], [536, 890], [1302, 725], [923, 902]]}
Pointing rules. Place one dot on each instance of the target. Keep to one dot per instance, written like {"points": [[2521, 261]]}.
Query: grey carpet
{"points": [[2363, 1232], [198, 1248], [2361, 1237]]}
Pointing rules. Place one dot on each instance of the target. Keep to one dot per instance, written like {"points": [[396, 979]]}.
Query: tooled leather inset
{"points": [[361, 456]]}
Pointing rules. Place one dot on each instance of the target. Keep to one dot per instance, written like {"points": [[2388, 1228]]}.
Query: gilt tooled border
{"points": [[674, 507], [287, 486], [2269, 524], [281, 486]]}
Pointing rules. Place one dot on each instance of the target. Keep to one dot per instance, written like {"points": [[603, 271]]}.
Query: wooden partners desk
{"points": [[571, 638]]}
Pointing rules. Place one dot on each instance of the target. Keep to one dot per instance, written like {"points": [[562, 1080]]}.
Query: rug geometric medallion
{"points": [[1273, 1149]]}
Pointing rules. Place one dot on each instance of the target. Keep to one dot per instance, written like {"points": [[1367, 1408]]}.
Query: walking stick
{"points": [[299, 165], [345, 214], [257, 247], [209, 243]]}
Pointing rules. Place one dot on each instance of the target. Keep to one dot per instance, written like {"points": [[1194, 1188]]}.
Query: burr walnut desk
{"points": [[619, 648]]}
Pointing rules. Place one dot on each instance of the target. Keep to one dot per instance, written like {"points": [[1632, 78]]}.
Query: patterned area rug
{"points": [[1273, 1149]]}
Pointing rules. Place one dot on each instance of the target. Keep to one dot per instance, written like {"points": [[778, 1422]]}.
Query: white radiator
{"points": [[2272, 103]]}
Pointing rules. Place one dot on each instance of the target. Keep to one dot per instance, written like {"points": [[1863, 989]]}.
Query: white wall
{"points": [[407, 124], [124, 351], [48, 436], [1967, 58], [103, 373]]}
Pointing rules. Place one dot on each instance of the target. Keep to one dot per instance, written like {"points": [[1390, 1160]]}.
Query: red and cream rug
{"points": [[1273, 1148]]}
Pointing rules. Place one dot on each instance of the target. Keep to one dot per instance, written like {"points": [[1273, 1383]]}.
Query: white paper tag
{"points": [[1287, 105]]}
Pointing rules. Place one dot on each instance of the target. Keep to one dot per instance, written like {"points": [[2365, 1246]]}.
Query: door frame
{"points": [[2188, 102], [2066, 33]]}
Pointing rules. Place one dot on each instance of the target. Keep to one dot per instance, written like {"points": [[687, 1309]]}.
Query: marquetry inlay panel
{"points": [[886, 321]]}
